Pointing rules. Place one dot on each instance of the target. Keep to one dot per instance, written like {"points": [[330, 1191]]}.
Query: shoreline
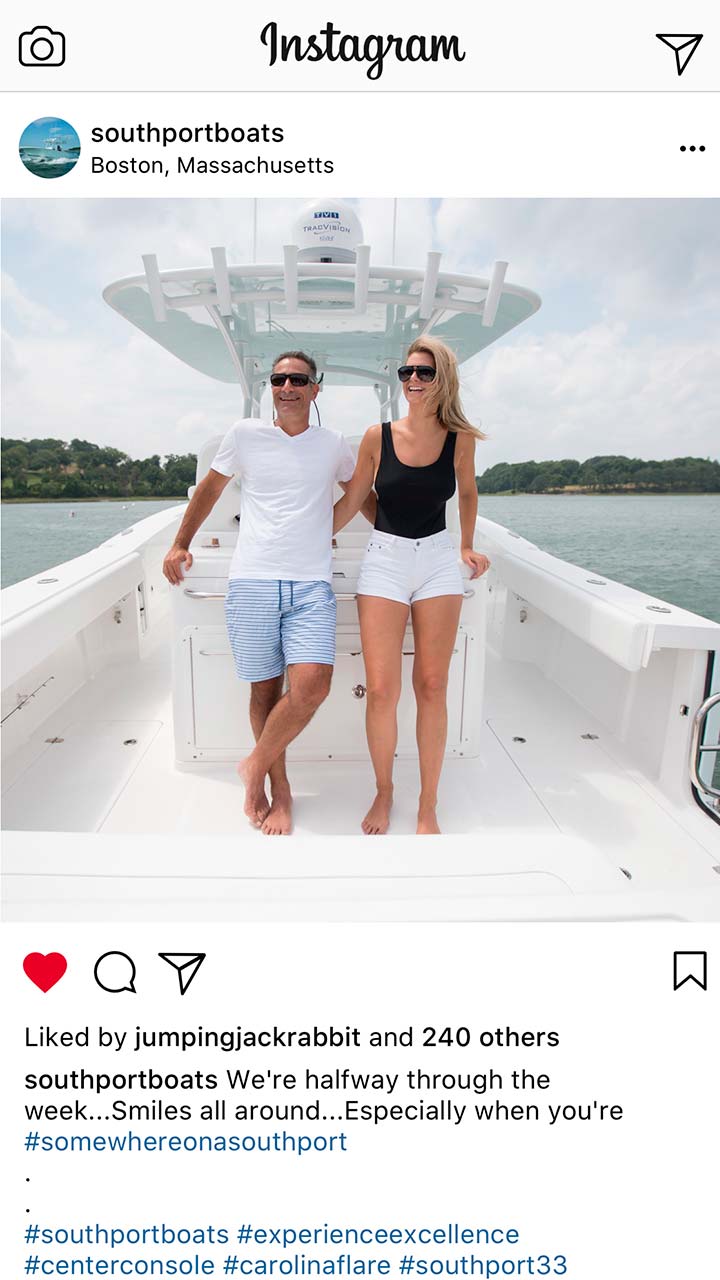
{"points": [[602, 493], [503, 493], [76, 502]]}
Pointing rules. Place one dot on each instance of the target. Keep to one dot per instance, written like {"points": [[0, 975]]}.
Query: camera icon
{"points": [[42, 47]]}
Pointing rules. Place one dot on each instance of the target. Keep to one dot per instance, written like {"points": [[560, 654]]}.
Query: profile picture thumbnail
{"points": [[49, 147]]}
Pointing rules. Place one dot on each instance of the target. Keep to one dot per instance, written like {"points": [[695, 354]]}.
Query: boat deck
{"points": [[545, 823]]}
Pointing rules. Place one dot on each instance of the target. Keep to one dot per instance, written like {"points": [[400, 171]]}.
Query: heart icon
{"points": [[44, 971]]}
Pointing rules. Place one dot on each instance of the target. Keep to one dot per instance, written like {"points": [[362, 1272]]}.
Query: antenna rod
{"points": [[494, 294]]}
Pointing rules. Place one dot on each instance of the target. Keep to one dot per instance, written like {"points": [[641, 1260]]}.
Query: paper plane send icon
{"points": [[187, 964], [683, 47]]}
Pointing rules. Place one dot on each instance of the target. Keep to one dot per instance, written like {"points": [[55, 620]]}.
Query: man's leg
{"points": [[308, 687], [277, 820], [307, 626], [253, 617], [264, 694]]}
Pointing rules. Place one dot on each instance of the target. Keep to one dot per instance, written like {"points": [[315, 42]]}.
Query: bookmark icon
{"points": [[690, 966]]}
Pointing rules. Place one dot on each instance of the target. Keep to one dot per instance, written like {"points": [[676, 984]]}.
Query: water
{"points": [[49, 164], [40, 535], [667, 545]]}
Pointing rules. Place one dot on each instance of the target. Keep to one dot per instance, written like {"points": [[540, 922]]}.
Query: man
{"points": [[280, 607]]}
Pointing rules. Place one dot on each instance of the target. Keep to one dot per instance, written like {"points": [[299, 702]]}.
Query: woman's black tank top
{"points": [[411, 500]]}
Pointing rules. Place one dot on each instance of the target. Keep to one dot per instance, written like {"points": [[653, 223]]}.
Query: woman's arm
{"points": [[468, 502], [361, 482]]}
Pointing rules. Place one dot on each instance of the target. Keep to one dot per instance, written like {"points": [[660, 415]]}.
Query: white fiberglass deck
{"points": [[551, 827]]}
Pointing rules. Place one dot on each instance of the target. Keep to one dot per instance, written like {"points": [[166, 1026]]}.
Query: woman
{"points": [[411, 565]]}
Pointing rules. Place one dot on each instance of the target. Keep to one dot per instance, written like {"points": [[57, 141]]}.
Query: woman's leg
{"points": [[382, 627], [435, 624]]}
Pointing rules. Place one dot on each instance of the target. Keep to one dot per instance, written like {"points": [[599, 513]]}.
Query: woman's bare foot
{"points": [[279, 820], [427, 824], [257, 805], [377, 818]]}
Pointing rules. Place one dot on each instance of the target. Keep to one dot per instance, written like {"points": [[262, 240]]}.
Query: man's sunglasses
{"points": [[425, 372], [295, 379]]}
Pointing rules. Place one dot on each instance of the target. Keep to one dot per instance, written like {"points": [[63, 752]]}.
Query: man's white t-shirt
{"points": [[286, 498]]}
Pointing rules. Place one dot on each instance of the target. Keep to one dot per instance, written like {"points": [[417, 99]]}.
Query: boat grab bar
{"points": [[340, 595], [697, 748], [352, 653], [357, 653], [220, 595]]}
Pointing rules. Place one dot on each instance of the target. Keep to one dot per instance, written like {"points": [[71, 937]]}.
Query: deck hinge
{"points": [[141, 607]]}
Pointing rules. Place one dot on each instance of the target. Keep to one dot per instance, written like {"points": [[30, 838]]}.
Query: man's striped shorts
{"points": [[274, 624]]}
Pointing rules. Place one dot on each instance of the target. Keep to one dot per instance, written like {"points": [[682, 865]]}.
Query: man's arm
{"points": [[199, 507]]}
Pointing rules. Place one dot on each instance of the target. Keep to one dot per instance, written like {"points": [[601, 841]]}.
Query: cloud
{"points": [[622, 357], [655, 260], [30, 315], [595, 392]]}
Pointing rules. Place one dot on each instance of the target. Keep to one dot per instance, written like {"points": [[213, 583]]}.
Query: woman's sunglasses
{"points": [[425, 372], [295, 379]]}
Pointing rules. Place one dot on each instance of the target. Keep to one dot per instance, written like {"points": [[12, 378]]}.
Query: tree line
{"points": [[611, 474], [54, 469]]}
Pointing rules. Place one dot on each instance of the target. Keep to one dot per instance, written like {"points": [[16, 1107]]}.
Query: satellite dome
{"points": [[327, 231]]}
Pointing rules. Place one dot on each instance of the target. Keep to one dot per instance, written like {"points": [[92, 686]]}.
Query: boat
{"points": [[581, 779]]}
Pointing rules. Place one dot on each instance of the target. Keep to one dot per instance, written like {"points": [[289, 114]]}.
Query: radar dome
{"points": [[327, 231]]}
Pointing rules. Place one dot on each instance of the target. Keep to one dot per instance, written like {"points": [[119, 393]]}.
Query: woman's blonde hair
{"points": [[444, 394]]}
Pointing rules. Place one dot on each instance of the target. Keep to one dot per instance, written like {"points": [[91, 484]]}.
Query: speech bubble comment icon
{"points": [[115, 972]]}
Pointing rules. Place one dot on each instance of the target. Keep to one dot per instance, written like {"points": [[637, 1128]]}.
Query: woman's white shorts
{"points": [[410, 569]]}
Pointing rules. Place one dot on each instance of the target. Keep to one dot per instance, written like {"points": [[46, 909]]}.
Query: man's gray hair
{"points": [[298, 355]]}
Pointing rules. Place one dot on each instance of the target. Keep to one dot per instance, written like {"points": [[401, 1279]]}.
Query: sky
{"points": [[49, 129], [622, 358]]}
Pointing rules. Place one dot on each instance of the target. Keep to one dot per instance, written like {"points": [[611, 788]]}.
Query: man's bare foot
{"points": [[279, 820], [427, 824], [257, 805], [377, 818]]}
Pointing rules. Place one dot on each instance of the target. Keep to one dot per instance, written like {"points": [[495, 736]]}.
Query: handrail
{"points": [[341, 595], [698, 748]]}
